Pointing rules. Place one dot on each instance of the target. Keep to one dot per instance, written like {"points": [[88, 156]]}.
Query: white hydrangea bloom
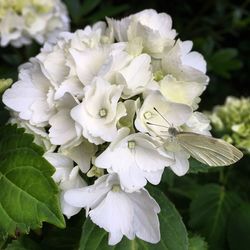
{"points": [[152, 28], [67, 177], [36, 19], [100, 111], [135, 159], [118, 212], [104, 99]]}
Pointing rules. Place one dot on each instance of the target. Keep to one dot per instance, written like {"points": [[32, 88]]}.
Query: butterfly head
{"points": [[172, 131]]}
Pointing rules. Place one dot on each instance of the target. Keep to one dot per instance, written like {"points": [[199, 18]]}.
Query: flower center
{"points": [[158, 75], [131, 144], [147, 115], [94, 171], [116, 188], [103, 113]]}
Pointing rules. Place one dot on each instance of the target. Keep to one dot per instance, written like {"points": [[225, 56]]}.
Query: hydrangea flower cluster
{"points": [[24, 20], [100, 102], [232, 121]]}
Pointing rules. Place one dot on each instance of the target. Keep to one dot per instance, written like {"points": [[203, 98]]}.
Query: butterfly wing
{"points": [[208, 150]]}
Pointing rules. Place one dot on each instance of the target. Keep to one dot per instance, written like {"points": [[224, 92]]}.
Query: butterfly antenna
{"points": [[154, 124], [162, 117]]}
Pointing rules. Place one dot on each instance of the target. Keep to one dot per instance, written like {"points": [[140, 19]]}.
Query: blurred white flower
{"points": [[118, 212], [4, 84], [67, 177], [135, 159], [22, 21]]}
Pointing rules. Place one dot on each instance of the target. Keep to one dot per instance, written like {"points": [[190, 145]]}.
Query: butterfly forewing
{"points": [[208, 150]]}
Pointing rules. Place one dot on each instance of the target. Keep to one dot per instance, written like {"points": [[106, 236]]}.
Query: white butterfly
{"points": [[206, 149]]}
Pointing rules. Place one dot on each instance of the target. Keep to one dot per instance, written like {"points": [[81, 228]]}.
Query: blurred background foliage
{"points": [[215, 202]]}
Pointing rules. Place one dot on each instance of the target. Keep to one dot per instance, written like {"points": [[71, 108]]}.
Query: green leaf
{"points": [[239, 228], [88, 6], [13, 59], [69, 237], [4, 114], [108, 11], [209, 212], [23, 243], [28, 194], [74, 8], [197, 243], [168, 178], [197, 167], [173, 231], [224, 61]]}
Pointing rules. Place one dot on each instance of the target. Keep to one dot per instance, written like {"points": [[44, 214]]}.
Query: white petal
{"points": [[88, 63], [146, 224], [63, 129], [147, 157], [72, 86], [81, 154], [181, 165], [180, 91], [167, 114], [131, 178], [22, 103], [115, 215], [74, 180], [154, 177], [101, 95], [88, 196], [185, 65], [136, 75], [67, 209], [53, 65], [61, 163], [198, 123]]}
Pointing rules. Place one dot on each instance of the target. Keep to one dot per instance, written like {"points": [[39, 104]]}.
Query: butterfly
{"points": [[206, 149]]}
